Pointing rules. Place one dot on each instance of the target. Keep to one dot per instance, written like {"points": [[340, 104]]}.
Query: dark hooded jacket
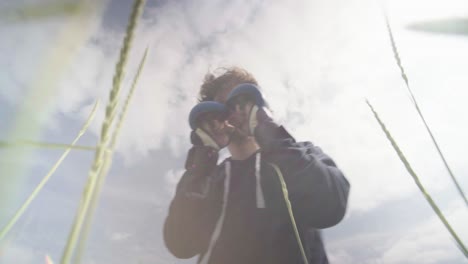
{"points": [[249, 223]]}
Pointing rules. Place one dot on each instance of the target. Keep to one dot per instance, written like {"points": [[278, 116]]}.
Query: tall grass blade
{"points": [[102, 146], [107, 162], [413, 174], [39, 187], [284, 188], [415, 103], [47, 145]]}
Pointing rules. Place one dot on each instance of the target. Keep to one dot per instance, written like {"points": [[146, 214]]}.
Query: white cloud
{"points": [[120, 236], [14, 253], [317, 61], [431, 242], [427, 242]]}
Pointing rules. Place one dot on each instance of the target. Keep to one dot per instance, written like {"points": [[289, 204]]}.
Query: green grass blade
{"points": [[127, 101], [413, 174], [415, 103], [39, 187], [47, 145], [102, 146], [284, 188], [107, 162]]}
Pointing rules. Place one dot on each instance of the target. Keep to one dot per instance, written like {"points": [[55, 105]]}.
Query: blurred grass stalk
{"points": [[416, 106], [47, 145], [408, 167], [107, 162], [39, 99], [100, 158], [39, 187], [41, 10]]}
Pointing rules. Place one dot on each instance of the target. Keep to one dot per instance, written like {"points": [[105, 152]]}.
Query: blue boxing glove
{"points": [[259, 123], [201, 117], [244, 94], [203, 156]]}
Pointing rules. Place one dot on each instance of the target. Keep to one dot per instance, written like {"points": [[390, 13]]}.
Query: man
{"points": [[264, 204]]}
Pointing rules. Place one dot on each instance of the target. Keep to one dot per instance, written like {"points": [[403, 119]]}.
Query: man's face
{"points": [[217, 126], [237, 119]]}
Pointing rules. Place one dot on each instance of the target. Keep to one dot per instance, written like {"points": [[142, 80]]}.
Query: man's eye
{"points": [[242, 102]]}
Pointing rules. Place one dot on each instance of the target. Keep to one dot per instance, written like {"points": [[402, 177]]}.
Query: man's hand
{"points": [[209, 134], [209, 128]]}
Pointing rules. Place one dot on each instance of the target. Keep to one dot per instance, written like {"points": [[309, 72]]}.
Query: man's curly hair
{"points": [[228, 78]]}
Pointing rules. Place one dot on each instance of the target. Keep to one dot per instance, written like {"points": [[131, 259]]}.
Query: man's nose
{"points": [[233, 117]]}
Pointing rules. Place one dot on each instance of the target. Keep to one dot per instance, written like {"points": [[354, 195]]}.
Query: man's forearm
{"points": [[317, 187], [184, 229]]}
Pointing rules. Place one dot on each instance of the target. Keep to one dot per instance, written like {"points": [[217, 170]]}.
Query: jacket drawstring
{"points": [[259, 192], [219, 223]]}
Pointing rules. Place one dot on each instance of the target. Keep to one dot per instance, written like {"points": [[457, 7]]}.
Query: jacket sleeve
{"points": [[186, 226], [317, 188]]}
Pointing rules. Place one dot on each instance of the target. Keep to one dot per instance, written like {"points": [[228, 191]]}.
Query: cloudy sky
{"points": [[317, 61]]}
